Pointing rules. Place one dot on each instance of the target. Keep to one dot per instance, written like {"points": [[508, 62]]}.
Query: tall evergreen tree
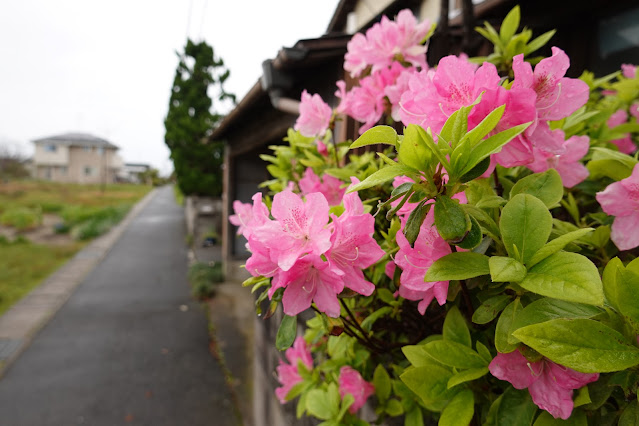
{"points": [[190, 119]]}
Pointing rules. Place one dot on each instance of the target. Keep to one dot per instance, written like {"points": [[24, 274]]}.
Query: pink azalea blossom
{"points": [[329, 186], [624, 144], [353, 247], [288, 374], [243, 214], [355, 59], [634, 110], [629, 70], [309, 280], [351, 382], [621, 199], [433, 97], [299, 228], [395, 91], [247, 216], [415, 262], [550, 385], [315, 116], [557, 96], [567, 164]]}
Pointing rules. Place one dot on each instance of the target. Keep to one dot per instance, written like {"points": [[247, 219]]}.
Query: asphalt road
{"points": [[130, 347]]}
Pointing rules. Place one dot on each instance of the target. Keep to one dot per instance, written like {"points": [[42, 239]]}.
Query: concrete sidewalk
{"points": [[21, 323], [129, 346]]}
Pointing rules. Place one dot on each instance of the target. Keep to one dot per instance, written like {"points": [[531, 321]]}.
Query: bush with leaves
{"points": [[480, 270]]}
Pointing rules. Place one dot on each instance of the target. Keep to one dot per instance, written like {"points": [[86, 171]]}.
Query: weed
{"points": [[203, 277], [21, 218]]}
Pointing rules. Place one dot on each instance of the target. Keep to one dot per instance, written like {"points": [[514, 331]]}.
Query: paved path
{"points": [[130, 347]]}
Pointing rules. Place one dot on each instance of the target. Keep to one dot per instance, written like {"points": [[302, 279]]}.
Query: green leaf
{"points": [[525, 226], [434, 149], [630, 416], [546, 309], [455, 328], [382, 383], [394, 408], [378, 134], [413, 151], [486, 125], [506, 269], [491, 145], [539, 42], [467, 376], [488, 310], [584, 345], [582, 397], [451, 220], [320, 405], [476, 171], [474, 236], [453, 354], [516, 408], [415, 220], [382, 175], [552, 247], [628, 293], [368, 322], [610, 281], [416, 356], [430, 384], [458, 266], [509, 25], [502, 330], [547, 186], [286, 333], [566, 276], [414, 417], [460, 409], [483, 352]]}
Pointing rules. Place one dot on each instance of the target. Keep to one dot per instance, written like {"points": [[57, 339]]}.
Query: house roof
{"points": [[254, 120], [76, 139]]}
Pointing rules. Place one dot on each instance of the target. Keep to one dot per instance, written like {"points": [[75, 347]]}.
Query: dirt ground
{"points": [[43, 234]]}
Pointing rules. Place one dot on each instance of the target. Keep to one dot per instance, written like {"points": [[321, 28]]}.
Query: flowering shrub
{"points": [[481, 269]]}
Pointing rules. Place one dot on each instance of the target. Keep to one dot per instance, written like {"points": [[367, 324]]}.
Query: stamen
{"points": [[533, 371], [414, 266], [356, 256], [442, 110], [268, 273], [555, 101]]}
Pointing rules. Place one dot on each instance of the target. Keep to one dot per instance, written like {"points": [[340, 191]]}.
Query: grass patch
{"points": [[179, 196], [23, 266], [21, 218], [203, 278]]}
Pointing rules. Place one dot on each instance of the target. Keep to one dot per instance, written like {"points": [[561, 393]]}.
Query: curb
{"points": [[22, 322]]}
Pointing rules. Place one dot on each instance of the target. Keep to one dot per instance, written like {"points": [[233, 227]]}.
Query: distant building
{"points": [[133, 172], [76, 157]]}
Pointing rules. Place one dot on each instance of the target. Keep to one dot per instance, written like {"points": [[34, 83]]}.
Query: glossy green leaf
{"points": [[610, 278], [552, 247], [546, 309], [376, 135], [630, 415], [416, 356], [428, 139], [458, 266], [486, 125], [566, 276], [413, 151], [430, 384], [451, 220], [286, 333], [487, 311], [320, 405], [628, 293], [577, 418], [381, 381], [525, 224], [547, 186], [415, 220], [584, 345], [476, 171], [467, 376], [394, 408], [455, 328], [491, 145], [473, 237], [516, 408], [539, 42], [509, 25], [504, 323], [506, 269], [453, 354], [460, 409], [382, 176]]}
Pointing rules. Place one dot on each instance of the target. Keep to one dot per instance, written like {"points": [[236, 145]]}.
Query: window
{"points": [[88, 171], [100, 150], [63, 170], [86, 148], [50, 148]]}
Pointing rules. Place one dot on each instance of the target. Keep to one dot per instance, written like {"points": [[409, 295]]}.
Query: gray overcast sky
{"points": [[106, 67]]}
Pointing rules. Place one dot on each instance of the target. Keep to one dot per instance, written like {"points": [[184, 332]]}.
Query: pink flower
{"points": [[248, 217], [288, 374], [549, 384], [629, 70], [634, 110], [415, 262], [432, 98], [243, 214], [567, 164], [315, 116], [394, 91], [330, 187], [557, 96], [621, 199], [624, 144], [351, 382], [352, 246], [309, 280], [299, 228]]}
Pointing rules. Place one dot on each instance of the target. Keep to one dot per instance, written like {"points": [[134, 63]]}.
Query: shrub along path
{"points": [[130, 346]]}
